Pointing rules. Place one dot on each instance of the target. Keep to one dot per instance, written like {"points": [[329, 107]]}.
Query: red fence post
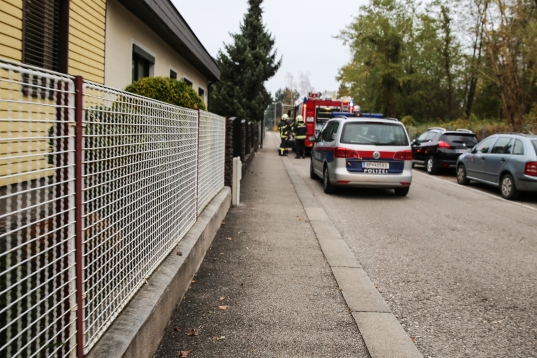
{"points": [[79, 133]]}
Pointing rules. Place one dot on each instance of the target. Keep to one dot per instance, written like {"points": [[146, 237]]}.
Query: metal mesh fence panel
{"points": [[37, 234], [139, 195], [212, 132]]}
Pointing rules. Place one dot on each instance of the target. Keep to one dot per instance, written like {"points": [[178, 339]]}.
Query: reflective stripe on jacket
{"points": [[301, 130]]}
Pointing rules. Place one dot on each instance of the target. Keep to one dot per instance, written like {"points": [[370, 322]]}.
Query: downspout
{"points": [[209, 84]]}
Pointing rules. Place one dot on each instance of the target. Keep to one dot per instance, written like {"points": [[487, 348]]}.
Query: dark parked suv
{"points": [[438, 148]]}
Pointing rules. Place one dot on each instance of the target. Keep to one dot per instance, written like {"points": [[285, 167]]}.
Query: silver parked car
{"points": [[367, 152], [504, 160]]}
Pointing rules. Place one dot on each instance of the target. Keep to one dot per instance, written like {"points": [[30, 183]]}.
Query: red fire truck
{"points": [[317, 109]]}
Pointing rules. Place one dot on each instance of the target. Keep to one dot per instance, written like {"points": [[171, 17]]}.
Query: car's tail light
{"points": [[443, 145], [531, 169], [403, 155], [345, 153]]}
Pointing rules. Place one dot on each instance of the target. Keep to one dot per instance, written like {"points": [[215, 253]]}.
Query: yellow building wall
{"points": [[24, 131], [87, 20], [11, 29]]}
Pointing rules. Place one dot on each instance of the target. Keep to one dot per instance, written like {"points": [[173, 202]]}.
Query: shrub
{"points": [[167, 90]]}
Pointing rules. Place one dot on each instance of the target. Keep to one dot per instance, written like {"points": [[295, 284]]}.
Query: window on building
{"points": [[44, 42], [201, 93], [173, 74], [188, 82], [142, 63], [45, 29]]}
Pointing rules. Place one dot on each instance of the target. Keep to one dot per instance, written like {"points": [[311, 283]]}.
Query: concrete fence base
{"points": [[139, 329]]}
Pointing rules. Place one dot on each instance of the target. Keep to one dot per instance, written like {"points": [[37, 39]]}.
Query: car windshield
{"points": [[534, 142], [374, 133], [469, 140]]}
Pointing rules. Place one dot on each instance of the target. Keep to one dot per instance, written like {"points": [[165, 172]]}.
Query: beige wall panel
{"points": [[88, 44], [78, 47], [27, 127], [79, 44], [97, 66], [10, 29], [25, 177], [122, 30], [88, 17], [13, 8], [97, 6], [10, 53], [83, 67], [11, 42], [16, 3], [86, 39]]}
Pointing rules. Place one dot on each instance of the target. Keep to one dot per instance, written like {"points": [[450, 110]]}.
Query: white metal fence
{"points": [[99, 210], [211, 157], [37, 236]]}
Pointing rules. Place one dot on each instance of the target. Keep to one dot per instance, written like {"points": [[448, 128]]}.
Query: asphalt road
{"points": [[456, 265]]}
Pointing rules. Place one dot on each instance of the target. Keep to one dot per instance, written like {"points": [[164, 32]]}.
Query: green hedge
{"points": [[167, 90]]}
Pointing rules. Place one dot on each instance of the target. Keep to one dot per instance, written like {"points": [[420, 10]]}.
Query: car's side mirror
{"points": [[312, 139]]}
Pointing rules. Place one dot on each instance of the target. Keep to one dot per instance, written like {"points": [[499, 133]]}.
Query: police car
{"points": [[368, 151]]}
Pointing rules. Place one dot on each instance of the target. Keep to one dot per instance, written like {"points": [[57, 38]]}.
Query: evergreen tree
{"points": [[245, 66]]}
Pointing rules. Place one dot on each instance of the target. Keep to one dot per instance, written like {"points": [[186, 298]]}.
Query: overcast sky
{"points": [[304, 32]]}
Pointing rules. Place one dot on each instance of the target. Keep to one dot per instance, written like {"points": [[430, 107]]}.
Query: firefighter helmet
{"points": [[299, 118], [285, 117]]}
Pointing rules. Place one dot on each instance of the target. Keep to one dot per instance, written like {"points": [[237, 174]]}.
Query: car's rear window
{"points": [[374, 133], [469, 139]]}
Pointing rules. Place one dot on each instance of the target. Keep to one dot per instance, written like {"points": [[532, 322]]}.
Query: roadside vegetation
{"points": [[456, 64], [245, 66]]}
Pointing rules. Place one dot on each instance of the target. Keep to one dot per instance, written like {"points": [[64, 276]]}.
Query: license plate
{"points": [[375, 171], [375, 165], [464, 150]]}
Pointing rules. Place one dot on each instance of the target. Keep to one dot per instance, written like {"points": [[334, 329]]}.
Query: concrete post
{"points": [[237, 176]]}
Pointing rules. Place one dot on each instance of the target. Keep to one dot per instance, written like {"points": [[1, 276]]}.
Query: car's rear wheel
{"points": [[461, 175], [312, 173], [431, 166], [327, 186], [508, 188], [402, 191]]}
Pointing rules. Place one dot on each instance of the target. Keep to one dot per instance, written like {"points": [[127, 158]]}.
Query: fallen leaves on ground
{"points": [[178, 329], [184, 353], [193, 332], [222, 298], [223, 223], [223, 308], [193, 281], [221, 338], [179, 253], [228, 239]]}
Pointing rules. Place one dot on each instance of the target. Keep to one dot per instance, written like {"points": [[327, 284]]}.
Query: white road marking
{"points": [[477, 191]]}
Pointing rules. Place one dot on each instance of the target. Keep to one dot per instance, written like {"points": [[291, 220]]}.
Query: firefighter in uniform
{"points": [[285, 132], [300, 137]]}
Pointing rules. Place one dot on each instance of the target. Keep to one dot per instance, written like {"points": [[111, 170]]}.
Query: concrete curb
{"points": [[382, 333], [139, 329]]}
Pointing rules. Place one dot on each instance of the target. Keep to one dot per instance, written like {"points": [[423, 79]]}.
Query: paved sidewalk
{"points": [[278, 281]]}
